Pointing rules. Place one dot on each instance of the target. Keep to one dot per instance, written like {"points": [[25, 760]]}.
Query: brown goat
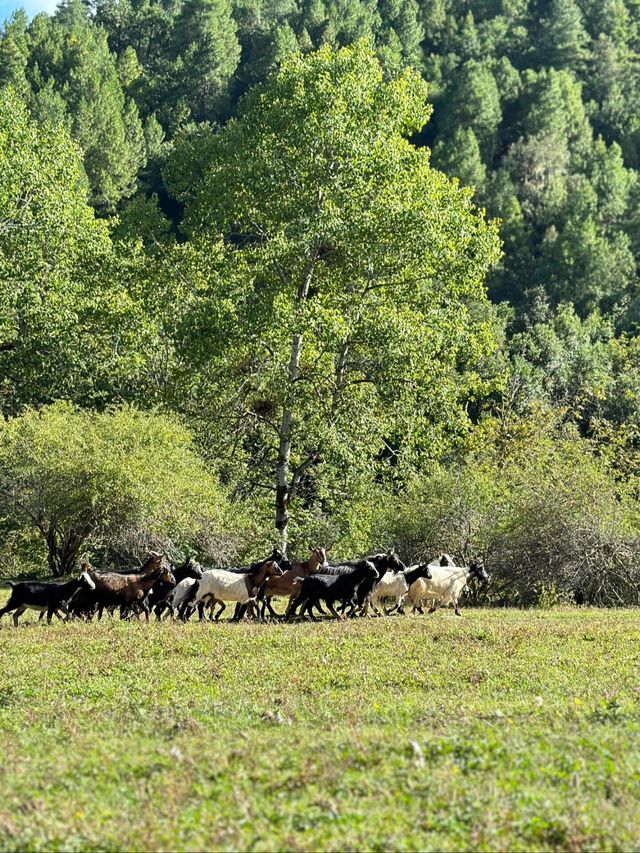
{"points": [[283, 586], [113, 589]]}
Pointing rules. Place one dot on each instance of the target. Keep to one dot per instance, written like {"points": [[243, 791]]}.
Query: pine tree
{"points": [[401, 18], [205, 41], [473, 101], [564, 39], [14, 54], [460, 157], [258, 21], [73, 81]]}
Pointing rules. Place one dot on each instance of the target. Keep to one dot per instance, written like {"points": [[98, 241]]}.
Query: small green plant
{"points": [[610, 710], [551, 595]]}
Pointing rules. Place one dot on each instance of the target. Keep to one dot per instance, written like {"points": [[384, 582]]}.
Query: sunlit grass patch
{"points": [[500, 730]]}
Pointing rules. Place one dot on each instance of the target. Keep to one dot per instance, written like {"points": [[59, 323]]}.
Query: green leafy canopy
{"points": [[346, 253]]}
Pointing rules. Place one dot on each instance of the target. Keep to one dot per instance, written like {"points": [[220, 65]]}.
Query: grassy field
{"points": [[499, 730]]}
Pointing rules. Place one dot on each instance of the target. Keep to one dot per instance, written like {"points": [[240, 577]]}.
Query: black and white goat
{"points": [[47, 598], [396, 586]]}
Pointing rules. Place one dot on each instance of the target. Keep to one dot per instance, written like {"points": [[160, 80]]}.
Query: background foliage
{"points": [[155, 225]]}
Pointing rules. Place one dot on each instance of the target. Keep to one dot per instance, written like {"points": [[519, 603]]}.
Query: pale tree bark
{"points": [[341, 370], [285, 485]]}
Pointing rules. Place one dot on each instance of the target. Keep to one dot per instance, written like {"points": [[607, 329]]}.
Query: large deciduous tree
{"points": [[332, 321]]}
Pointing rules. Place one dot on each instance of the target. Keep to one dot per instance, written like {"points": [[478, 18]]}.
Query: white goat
{"points": [[217, 585], [390, 585], [446, 585], [180, 594], [397, 585]]}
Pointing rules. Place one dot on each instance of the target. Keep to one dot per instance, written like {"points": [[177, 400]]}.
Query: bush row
{"points": [[553, 515]]}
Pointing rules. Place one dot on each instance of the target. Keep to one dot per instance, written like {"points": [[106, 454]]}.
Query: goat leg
{"points": [[292, 606], [334, 613], [267, 603], [18, 613], [366, 604], [303, 607], [256, 610]]}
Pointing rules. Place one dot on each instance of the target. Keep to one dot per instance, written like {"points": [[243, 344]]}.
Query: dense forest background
{"points": [[149, 160]]}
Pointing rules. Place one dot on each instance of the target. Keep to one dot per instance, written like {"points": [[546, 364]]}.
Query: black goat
{"points": [[331, 589], [157, 596], [48, 598], [384, 562]]}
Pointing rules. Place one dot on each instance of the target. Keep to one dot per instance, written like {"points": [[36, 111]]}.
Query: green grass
{"points": [[499, 730]]}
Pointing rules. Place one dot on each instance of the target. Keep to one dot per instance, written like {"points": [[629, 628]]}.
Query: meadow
{"points": [[502, 729]]}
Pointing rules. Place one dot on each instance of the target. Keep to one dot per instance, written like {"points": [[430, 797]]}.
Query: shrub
{"points": [[547, 512], [123, 478]]}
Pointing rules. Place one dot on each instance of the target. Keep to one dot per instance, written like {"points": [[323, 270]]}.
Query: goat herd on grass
{"points": [[363, 587]]}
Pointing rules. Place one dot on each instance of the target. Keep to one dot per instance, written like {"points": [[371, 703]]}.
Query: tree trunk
{"points": [[284, 489], [62, 550]]}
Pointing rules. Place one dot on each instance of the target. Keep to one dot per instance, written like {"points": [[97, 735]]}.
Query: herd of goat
{"points": [[362, 587]]}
